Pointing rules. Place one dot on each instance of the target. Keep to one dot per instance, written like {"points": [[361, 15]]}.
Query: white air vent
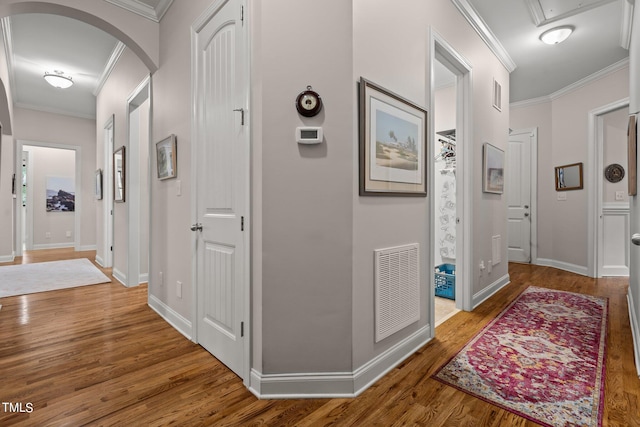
{"points": [[397, 289]]}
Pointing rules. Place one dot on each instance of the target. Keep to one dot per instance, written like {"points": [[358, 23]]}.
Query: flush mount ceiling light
{"points": [[58, 79], [556, 35]]}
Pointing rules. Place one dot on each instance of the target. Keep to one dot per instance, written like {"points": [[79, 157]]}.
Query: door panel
{"points": [[519, 197], [222, 179]]}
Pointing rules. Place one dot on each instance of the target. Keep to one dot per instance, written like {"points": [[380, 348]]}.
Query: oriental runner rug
{"points": [[541, 358]]}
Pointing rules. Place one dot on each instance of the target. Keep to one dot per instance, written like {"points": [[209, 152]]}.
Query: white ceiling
{"points": [[39, 43]]}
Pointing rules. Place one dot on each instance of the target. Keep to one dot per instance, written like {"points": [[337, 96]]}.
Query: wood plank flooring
{"points": [[98, 355]]}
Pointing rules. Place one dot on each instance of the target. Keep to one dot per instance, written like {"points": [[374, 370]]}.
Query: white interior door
{"points": [[519, 196], [222, 187]]}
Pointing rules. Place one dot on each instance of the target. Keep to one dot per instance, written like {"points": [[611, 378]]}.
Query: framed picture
{"points": [[493, 169], [119, 174], [393, 144], [166, 156], [13, 184], [98, 184], [61, 194], [569, 177], [632, 142]]}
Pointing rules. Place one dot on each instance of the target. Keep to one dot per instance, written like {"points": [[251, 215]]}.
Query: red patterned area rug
{"points": [[541, 358]]}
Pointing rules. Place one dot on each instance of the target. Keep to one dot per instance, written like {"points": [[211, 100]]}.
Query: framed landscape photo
{"points": [[393, 144], [166, 156], [493, 169], [119, 175]]}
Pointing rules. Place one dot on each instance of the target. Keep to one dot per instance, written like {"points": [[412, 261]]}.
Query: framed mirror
{"points": [[569, 177], [119, 174]]}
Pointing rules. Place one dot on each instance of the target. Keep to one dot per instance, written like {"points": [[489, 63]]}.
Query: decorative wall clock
{"points": [[614, 172], [308, 103]]}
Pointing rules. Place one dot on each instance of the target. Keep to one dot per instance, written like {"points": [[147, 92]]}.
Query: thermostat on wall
{"points": [[309, 135]]}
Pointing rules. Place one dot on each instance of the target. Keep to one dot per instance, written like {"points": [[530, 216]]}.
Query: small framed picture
{"points": [[393, 143], [493, 169], [99, 184], [167, 156]]}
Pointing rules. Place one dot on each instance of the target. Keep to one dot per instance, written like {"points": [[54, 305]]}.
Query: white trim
{"points": [[337, 384], [439, 47], [119, 276], [117, 52], [538, 16], [627, 24], [490, 290], [87, 248], [138, 96], [594, 182], [7, 258], [171, 316], [7, 39], [144, 278], [90, 116], [485, 33], [605, 72], [144, 10], [99, 261], [52, 246], [635, 331], [107, 192], [561, 265]]}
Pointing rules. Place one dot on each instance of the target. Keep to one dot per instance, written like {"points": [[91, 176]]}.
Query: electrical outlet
{"points": [[179, 289], [562, 195], [481, 266], [68, 233], [489, 265], [178, 188], [47, 235], [619, 195]]}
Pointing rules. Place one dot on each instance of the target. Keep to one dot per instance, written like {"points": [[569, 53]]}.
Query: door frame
{"points": [[533, 203], [77, 226], [107, 194], [594, 182], [441, 50], [133, 191], [196, 146]]}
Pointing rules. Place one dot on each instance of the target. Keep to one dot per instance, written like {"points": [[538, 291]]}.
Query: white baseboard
{"points": [[99, 261], [7, 258], [635, 331], [572, 268], [88, 248], [53, 246], [144, 278], [488, 292], [171, 316], [119, 276], [337, 384]]}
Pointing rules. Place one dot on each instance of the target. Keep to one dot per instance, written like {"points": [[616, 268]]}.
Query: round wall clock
{"points": [[614, 172], [308, 103]]}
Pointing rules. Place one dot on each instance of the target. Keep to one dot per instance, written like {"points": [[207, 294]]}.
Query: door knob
{"points": [[635, 239], [196, 227], [526, 214], [526, 206]]}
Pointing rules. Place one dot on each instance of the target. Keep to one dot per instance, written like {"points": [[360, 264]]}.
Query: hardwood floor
{"points": [[98, 355]]}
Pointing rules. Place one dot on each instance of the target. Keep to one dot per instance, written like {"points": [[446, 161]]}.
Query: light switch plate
{"points": [[562, 196]]}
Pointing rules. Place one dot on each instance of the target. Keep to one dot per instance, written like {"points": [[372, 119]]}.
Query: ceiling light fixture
{"points": [[58, 79], [556, 35]]}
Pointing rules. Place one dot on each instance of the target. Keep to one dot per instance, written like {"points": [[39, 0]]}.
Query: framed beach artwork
{"points": [[393, 138], [119, 175], [166, 157], [493, 169]]}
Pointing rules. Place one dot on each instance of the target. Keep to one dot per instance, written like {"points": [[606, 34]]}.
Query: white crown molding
{"points": [[591, 78], [485, 33], [540, 19], [144, 10], [54, 111], [627, 24], [109, 66], [574, 86], [7, 39]]}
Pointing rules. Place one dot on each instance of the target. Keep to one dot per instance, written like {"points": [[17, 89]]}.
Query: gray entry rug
{"points": [[48, 276]]}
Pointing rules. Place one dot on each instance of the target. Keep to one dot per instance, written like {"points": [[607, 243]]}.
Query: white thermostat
{"points": [[309, 135]]}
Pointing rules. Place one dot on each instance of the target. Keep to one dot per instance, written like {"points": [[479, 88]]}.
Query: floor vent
{"points": [[397, 289]]}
